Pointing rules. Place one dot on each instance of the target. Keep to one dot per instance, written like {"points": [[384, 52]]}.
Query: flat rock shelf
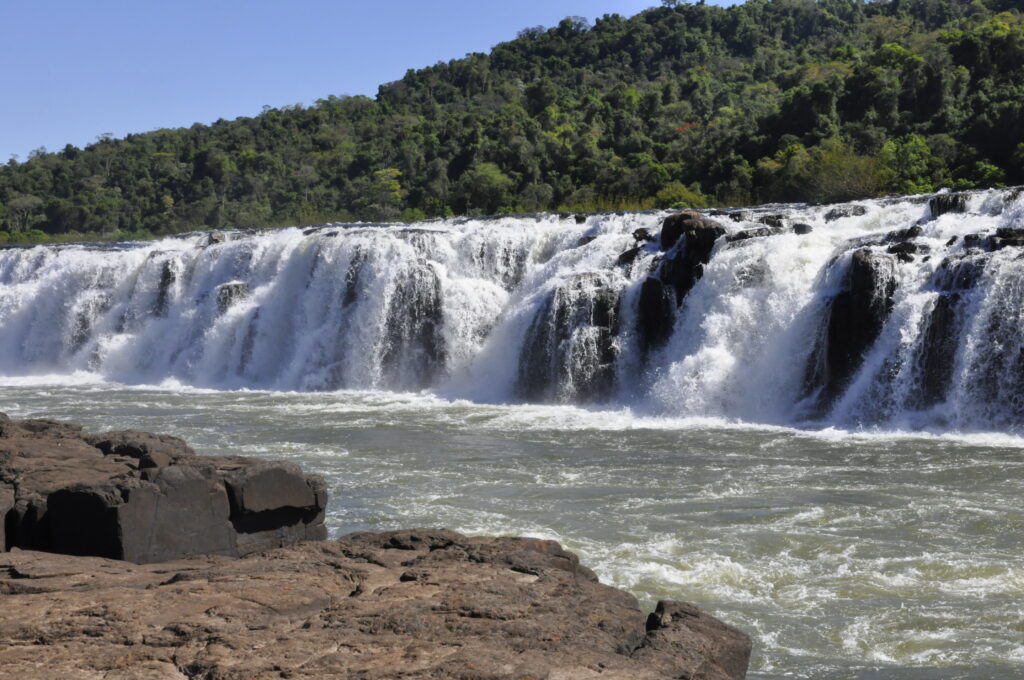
{"points": [[143, 497], [199, 569]]}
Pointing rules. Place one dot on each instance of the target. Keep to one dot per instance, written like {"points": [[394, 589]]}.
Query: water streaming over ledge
{"points": [[898, 313], [581, 378]]}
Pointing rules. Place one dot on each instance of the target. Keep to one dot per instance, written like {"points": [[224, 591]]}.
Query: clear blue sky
{"points": [[72, 70]]}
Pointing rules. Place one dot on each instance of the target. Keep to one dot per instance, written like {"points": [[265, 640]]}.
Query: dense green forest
{"points": [[680, 105]]}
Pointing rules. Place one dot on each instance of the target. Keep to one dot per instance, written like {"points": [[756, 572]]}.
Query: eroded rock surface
{"points": [[145, 498], [408, 604]]}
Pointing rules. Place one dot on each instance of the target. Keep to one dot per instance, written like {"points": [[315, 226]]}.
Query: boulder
{"points": [[146, 498], [644, 236], [413, 604], [689, 221], [628, 257]]}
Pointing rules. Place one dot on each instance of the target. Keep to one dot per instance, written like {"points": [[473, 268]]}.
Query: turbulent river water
{"points": [[807, 420]]}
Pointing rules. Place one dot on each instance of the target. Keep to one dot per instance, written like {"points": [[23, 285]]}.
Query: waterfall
{"points": [[898, 312]]}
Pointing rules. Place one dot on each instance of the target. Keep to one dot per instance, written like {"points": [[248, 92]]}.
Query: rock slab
{"points": [[145, 498], [408, 604]]}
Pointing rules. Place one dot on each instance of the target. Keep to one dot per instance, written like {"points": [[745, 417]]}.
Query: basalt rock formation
{"points": [[145, 498], [409, 604]]}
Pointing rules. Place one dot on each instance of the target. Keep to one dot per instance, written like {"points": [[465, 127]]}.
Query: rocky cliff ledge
{"points": [[407, 604], [145, 498]]}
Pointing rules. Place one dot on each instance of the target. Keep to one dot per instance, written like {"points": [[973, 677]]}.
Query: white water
{"points": [[854, 547], [514, 309], [845, 555]]}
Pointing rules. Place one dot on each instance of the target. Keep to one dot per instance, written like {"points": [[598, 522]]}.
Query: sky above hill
{"points": [[75, 70]]}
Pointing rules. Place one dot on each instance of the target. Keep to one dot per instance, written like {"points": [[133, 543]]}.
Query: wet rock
{"points": [[684, 267], [644, 236], [628, 257], [802, 229], [936, 352], [906, 250], [841, 211], [759, 232], [230, 293], [942, 204], [774, 221], [960, 272], [902, 235], [146, 498], [677, 225], [1008, 237], [411, 604], [853, 321], [215, 237], [167, 278], [584, 240], [580, 219], [656, 315], [570, 348], [415, 352]]}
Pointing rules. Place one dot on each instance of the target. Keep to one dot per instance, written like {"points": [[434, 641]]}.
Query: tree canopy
{"points": [[681, 105]]}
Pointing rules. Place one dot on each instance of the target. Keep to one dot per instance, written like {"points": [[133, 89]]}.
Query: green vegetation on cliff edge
{"points": [[680, 105]]}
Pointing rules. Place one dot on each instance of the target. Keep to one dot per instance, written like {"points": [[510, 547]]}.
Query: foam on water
{"points": [[548, 309], [875, 535]]}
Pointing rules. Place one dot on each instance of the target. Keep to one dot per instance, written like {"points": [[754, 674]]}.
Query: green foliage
{"points": [[685, 104], [678, 195]]}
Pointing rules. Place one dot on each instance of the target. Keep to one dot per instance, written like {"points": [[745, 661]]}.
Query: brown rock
{"points": [[144, 497], [410, 604]]}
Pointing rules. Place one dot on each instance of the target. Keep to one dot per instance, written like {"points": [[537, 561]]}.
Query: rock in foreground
{"points": [[145, 498], [410, 604]]}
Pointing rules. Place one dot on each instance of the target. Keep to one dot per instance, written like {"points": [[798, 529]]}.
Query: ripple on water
{"points": [[845, 554]]}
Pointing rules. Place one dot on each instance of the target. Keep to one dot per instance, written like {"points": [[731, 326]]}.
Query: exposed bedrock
{"points": [[940, 204], [693, 238], [145, 498], [570, 348], [230, 293], [689, 237], [410, 604], [853, 321]]}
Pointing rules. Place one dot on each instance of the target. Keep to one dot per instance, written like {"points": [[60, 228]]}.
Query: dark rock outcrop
{"points": [[758, 232], [168, 276], [940, 204], [230, 293], [679, 224], [841, 211], [411, 604], [695, 236], [569, 351], [775, 221], [853, 321], [689, 237], [935, 354], [655, 315], [146, 498]]}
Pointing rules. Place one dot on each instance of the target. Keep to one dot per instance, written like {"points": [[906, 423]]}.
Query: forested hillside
{"points": [[681, 105]]}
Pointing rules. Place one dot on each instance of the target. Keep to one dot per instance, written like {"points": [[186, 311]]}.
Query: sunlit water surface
{"points": [[844, 555]]}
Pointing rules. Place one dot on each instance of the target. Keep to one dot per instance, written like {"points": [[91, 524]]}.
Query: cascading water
{"points": [[897, 312]]}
